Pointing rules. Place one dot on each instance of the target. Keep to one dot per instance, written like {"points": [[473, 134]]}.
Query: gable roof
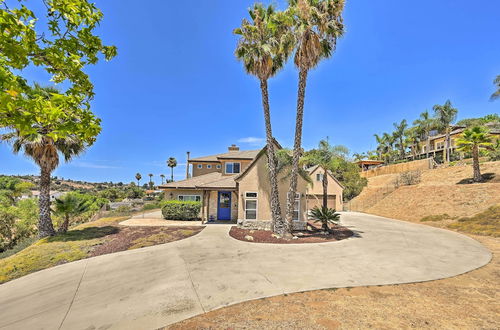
{"points": [[205, 181], [244, 154], [311, 170], [259, 154]]}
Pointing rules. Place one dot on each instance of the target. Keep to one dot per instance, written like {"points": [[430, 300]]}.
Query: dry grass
{"points": [[469, 301]]}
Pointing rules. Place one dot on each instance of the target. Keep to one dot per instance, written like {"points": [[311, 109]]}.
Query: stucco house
{"points": [[234, 186]]}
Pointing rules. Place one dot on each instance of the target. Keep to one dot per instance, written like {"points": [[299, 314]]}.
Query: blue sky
{"points": [[176, 85]]}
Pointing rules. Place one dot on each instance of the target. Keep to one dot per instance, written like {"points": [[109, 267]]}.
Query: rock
{"points": [[275, 236], [295, 237], [309, 228], [249, 238], [300, 234]]}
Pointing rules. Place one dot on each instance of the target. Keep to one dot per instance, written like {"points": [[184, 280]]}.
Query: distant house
{"points": [[368, 164], [235, 186], [53, 194]]}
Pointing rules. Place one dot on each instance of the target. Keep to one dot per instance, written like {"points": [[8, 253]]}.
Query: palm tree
{"points": [[317, 26], [412, 139], [162, 176], [150, 181], [45, 151], [496, 95], [264, 46], [399, 135], [425, 124], [138, 177], [172, 162], [324, 157], [445, 116], [472, 140], [325, 215], [69, 206], [380, 145]]}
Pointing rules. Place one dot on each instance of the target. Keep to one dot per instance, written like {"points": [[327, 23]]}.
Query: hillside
{"points": [[439, 192], [61, 184]]}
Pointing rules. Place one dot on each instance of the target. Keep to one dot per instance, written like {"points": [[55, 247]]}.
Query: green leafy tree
{"points": [[425, 124], [138, 177], [172, 163], [472, 140], [496, 95], [326, 216], [317, 26], [445, 116], [68, 206]]}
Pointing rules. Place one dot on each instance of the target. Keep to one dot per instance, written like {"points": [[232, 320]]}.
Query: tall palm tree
{"points": [[69, 206], [496, 95], [138, 177], [264, 46], [172, 162], [472, 140], [317, 26], [380, 145], [399, 136], [324, 157], [445, 116], [412, 139], [45, 151], [150, 180], [425, 124], [162, 176]]}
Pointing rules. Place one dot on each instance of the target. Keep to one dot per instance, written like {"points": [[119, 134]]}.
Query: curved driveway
{"points": [[152, 287]]}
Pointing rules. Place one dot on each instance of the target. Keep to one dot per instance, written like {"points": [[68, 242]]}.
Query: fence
{"points": [[422, 164], [369, 198]]}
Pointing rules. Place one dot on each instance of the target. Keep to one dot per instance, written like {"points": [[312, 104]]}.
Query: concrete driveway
{"points": [[152, 287]]}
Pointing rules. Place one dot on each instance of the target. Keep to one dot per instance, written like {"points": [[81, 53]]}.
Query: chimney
{"points": [[233, 147], [187, 165]]}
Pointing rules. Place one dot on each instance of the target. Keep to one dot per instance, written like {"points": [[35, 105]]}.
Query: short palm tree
{"points": [[472, 140], [496, 95], [445, 115], [162, 176], [45, 151], [172, 162], [67, 207], [425, 124], [326, 216], [265, 44], [317, 26], [138, 177]]}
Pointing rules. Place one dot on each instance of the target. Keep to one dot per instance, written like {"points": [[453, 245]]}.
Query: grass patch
{"points": [[21, 245], [436, 217], [484, 223]]}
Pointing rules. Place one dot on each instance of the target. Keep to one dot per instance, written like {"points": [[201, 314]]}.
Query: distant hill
{"points": [[61, 184]]}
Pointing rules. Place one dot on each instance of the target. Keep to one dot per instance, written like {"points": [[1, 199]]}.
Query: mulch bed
{"points": [[314, 235], [127, 237]]}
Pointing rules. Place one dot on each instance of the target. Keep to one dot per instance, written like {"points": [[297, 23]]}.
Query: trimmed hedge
{"points": [[180, 210]]}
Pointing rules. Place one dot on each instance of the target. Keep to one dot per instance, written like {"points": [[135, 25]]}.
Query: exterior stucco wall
{"points": [[257, 180], [204, 170], [173, 194], [335, 192], [243, 164]]}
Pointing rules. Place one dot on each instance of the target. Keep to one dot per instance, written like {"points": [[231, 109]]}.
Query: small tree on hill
{"points": [[472, 140]]}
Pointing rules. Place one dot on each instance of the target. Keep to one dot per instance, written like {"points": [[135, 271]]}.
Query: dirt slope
{"points": [[439, 192]]}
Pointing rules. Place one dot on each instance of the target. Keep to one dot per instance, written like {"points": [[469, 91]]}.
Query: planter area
{"points": [[312, 234]]}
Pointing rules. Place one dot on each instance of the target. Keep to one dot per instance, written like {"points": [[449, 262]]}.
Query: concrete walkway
{"points": [[152, 287]]}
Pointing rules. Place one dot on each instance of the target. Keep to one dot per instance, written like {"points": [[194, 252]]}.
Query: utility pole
{"points": [[187, 165]]}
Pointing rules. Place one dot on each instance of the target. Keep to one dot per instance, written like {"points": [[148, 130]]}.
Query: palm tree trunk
{"points": [[475, 164], [65, 225], [446, 156], [428, 146], [325, 189], [297, 150], [45, 227], [277, 221], [172, 174]]}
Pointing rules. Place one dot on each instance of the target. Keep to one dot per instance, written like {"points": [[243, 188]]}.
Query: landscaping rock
{"points": [[249, 238]]}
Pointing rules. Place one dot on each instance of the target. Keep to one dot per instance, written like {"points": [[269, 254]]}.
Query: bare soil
{"points": [[468, 301], [314, 235]]}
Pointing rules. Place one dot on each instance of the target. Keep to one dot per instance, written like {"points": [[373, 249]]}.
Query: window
{"points": [[250, 206], [218, 167], [319, 177], [209, 166], [189, 198], [200, 166], [232, 168], [296, 208]]}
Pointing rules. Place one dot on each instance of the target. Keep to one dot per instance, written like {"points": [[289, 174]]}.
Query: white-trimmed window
{"points": [[232, 168], [209, 166], [199, 166], [296, 208], [250, 205], [189, 198], [218, 166], [319, 177]]}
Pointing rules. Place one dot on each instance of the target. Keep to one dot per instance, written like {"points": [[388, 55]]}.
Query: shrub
{"points": [[151, 206], [408, 178], [181, 210], [437, 217], [484, 223]]}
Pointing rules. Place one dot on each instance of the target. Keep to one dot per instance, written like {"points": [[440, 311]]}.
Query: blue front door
{"points": [[224, 205]]}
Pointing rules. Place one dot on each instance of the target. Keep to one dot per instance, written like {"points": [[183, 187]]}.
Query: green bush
{"points": [[151, 206], [179, 210]]}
